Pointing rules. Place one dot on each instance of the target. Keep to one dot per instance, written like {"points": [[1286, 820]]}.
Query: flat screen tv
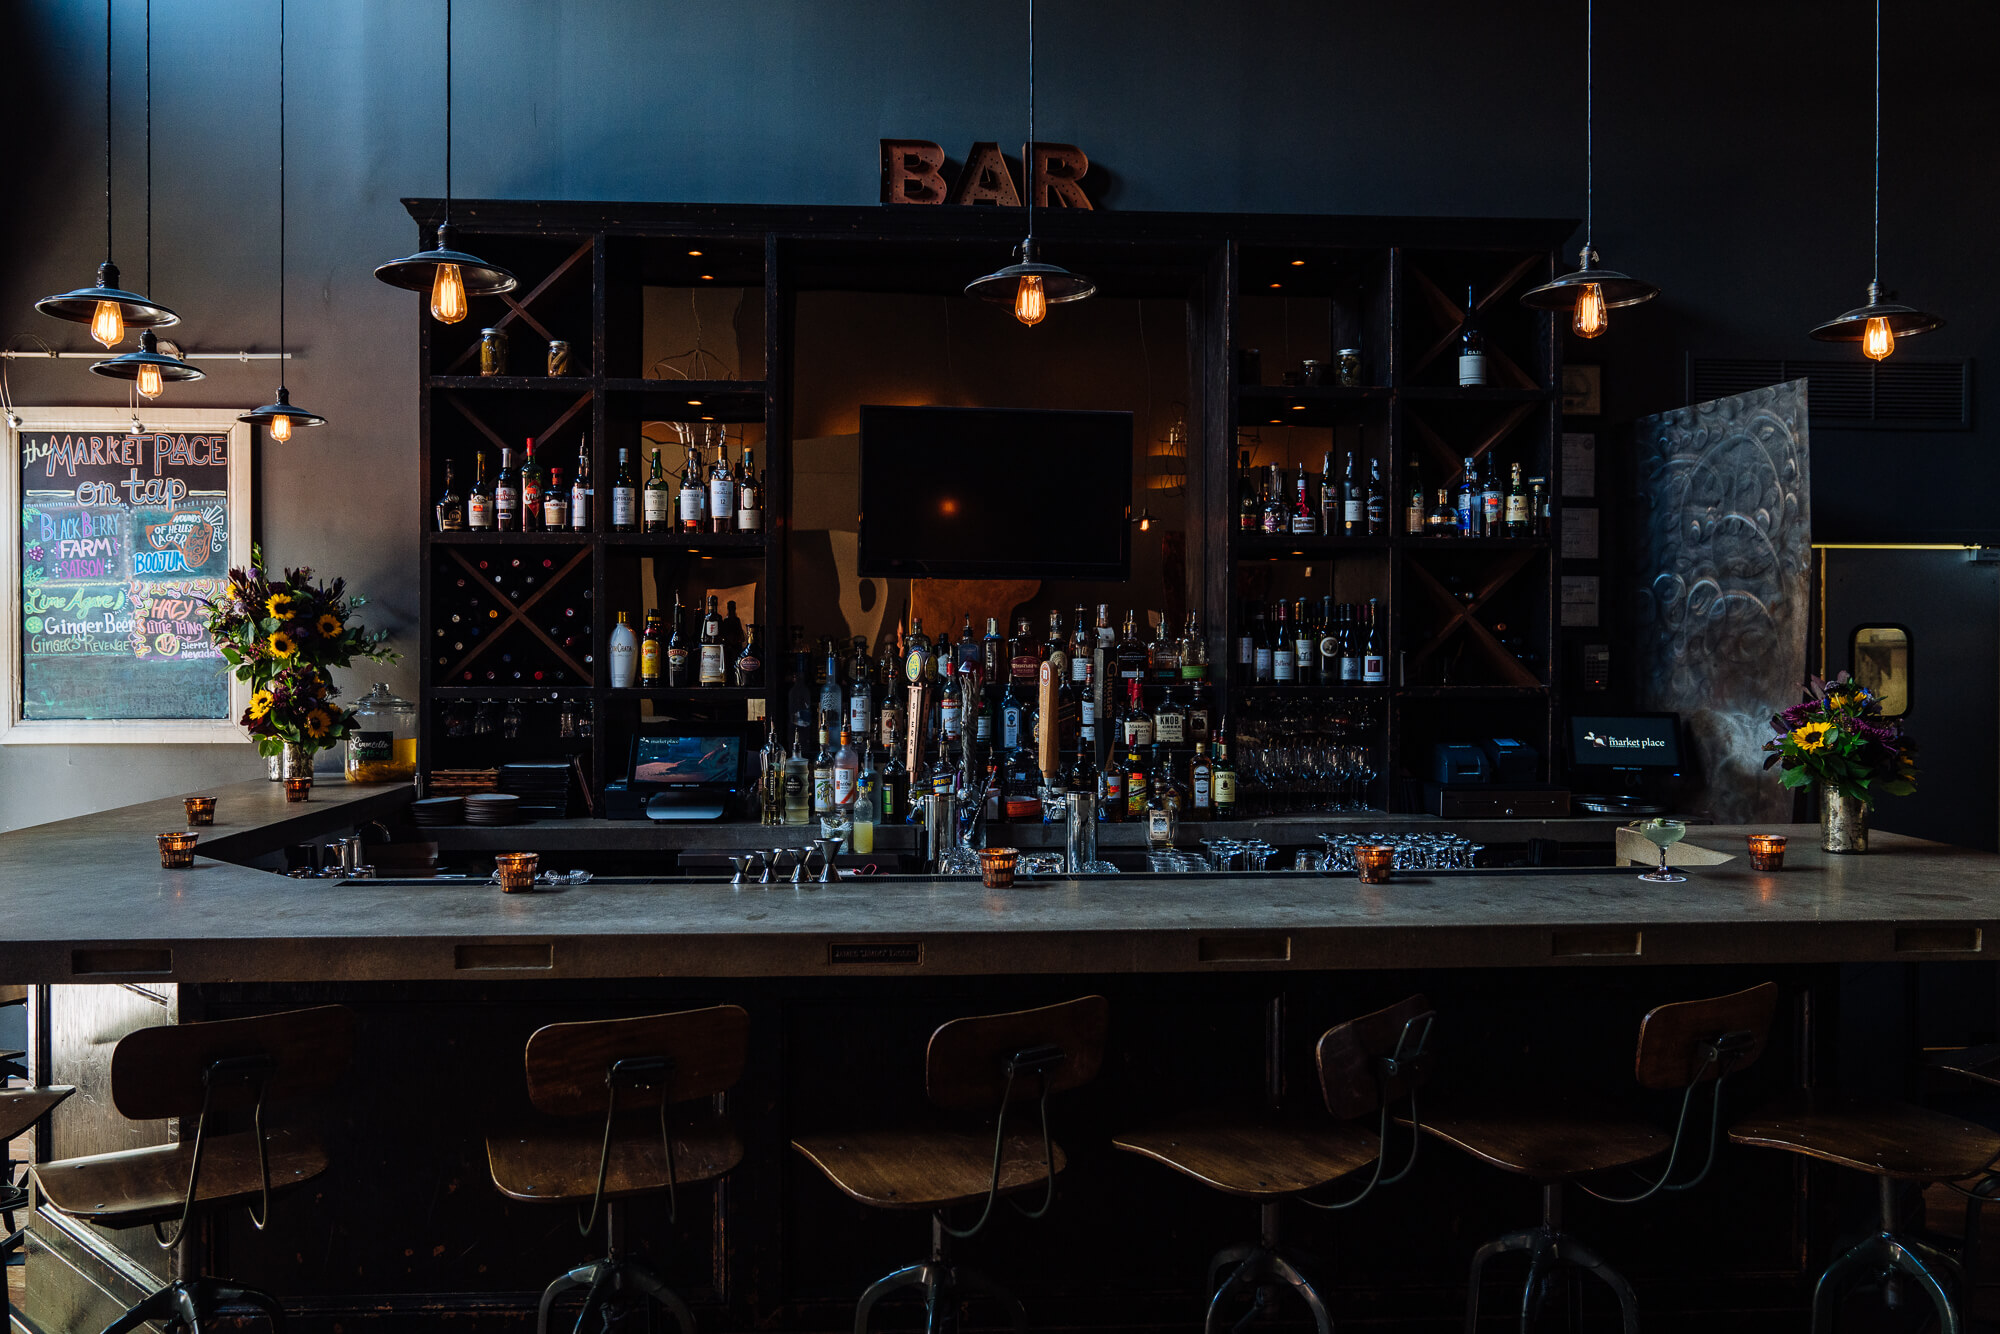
{"points": [[995, 493]]}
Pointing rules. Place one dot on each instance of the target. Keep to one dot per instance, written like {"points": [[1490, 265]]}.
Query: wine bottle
{"points": [[713, 670], [479, 500], [624, 496], [1305, 518], [1374, 654], [750, 662], [656, 506], [450, 505], [680, 667], [1377, 505], [531, 490], [749, 496], [582, 495], [507, 495], [1353, 504], [1514, 516]]}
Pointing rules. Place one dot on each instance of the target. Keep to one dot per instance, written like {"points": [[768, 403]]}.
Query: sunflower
{"points": [[318, 723], [283, 645], [1811, 737], [329, 625], [278, 606], [260, 704]]}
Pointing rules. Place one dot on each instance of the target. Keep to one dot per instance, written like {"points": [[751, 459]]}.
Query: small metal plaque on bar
{"points": [[903, 952], [1596, 944]]}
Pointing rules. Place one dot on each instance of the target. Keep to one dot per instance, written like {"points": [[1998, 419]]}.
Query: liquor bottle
{"points": [[1082, 774], [894, 798], [1326, 657], [1198, 724], [1305, 515], [861, 837], [889, 697], [771, 777], [993, 662], [861, 694], [450, 505], [1246, 648], [1249, 511], [1275, 518], [1470, 507], [582, 495], [624, 496], [656, 507], [1329, 497], [951, 709], [479, 500], [1353, 505], [846, 768], [1014, 712], [1194, 650], [1377, 503], [721, 492], [1023, 655], [917, 654], [968, 656], [1201, 784], [1107, 638], [1111, 789], [831, 702], [1538, 507], [1053, 642], [1416, 514], [1261, 646], [1020, 785], [1284, 650], [1374, 652], [750, 662], [693, 503], [1305, 644], [1086, 713], [1165, 799], [1163, 659], [798, 806], [1352, 647], [680, 668], [732, 632], [1131, 650], [1135, 723], [507, 495], [1170, 720], [749, 496], [1222, 780], [624, 647], [1490, 503], [822, 773], [532, 490], [555, 504], [649, 652], [1082, 646], [1444, 519], [1514, 508], [1471, 344], [1136, 799], [713, 670]]}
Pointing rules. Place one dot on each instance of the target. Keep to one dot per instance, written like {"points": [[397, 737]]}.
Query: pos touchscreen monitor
{"points": [[1627, 741]]}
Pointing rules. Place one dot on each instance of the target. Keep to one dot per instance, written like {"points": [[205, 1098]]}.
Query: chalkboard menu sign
{"points": [[123, 533]]}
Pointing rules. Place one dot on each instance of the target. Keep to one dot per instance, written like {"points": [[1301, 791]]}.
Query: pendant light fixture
{"points": [[149, 369], [1590, 293], [108, 309], [1877, 325], [1031, 285], [281, 416], [450, 276]]}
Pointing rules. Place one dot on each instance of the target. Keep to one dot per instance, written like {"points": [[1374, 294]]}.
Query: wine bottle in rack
{"points": [[450, 505], [531, 490], [479, 500], [582, 495]]}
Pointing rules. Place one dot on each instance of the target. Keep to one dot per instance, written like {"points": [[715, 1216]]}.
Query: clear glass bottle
{"points": [[382, 748]]}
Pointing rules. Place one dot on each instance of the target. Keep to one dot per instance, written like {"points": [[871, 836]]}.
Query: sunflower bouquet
{"points": [[284, 635], [1838, 738]]}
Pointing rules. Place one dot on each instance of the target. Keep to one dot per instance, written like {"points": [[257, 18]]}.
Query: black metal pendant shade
{"points": [[270, 412], [1619, 289], [80, 306], [416, 273], [1852, 326], [128, 367], [1058, 283]]}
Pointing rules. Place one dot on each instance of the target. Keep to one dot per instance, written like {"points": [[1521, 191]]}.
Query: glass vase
{"points": [[1843, 822], [296, 761]]}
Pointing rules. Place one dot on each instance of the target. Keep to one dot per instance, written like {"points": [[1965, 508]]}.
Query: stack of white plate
{"points": [[492, 808]]}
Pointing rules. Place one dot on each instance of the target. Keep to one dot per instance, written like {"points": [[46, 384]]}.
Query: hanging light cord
{"points": [[149, 148], [447, 110], [281, 192], [1876, 265], [107, 131], [1028, 167], [1590, 128]]}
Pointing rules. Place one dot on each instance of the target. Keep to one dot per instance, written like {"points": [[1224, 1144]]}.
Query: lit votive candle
{"points": [[996, 866], [177, 851], [1767, 852], [298, 789], [1373, 861], [200, 810], [516, 871]]}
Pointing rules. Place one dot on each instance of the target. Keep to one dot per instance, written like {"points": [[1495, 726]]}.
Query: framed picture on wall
{"points": [[121, 535], [1582, 390]]}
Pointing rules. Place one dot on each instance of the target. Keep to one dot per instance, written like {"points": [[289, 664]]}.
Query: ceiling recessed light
{"points": [[1298, 407], [708, 277], [694, 402], [1298, 263], [1277, 284], [694, 252], [708, 419]]}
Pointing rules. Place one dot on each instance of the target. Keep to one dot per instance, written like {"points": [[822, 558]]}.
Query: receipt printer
{"points": [[1457, 762], [1511, 761]]}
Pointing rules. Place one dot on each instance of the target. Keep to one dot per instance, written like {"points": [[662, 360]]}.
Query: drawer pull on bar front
{"points": [[1938, 940], [1244, 949], [1596, 944]]}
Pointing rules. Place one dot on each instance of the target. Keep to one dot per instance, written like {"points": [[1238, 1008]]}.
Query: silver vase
{"points": [[1843, 822], [295, 762]]}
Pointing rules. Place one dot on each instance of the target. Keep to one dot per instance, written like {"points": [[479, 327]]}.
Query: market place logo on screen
{"points": [[1612, 741]]}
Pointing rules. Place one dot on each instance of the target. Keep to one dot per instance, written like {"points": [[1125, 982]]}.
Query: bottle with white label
{"points": [[749, 500], [1471, 345], [581, 493], [656, 504], [693, 495], [713, 669], [624, 496], [1284, 653], [846, 771], [721, 493], [507, 495], [624, 653]]}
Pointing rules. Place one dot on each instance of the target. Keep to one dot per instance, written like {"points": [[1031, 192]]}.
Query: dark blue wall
{"points": [[1733, 170]]}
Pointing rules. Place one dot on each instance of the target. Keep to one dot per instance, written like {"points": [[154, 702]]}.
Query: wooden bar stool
{"points": [[613, 1085], [983, 1064], [20, 1111], [1892, 1142], [1684, 1046], [193, 1070], [1366, 1066]]}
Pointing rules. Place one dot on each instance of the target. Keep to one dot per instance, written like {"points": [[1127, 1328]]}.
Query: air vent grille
{"points": [[1905, 394]]}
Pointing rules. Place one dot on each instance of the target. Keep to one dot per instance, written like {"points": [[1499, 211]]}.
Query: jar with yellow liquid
{"points": [[382, 747]]}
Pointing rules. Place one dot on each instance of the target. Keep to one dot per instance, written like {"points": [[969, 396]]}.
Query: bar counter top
{"points": [[86, 900]]}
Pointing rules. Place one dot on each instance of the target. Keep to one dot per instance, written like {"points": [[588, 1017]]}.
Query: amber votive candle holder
{"points": [[996, 866], [200, 810], [177, 851], [298, 789], [1767, 852], [1373, 862], [516, 871]]}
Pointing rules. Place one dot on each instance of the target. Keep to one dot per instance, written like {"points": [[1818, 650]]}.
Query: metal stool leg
{"points": [[1228, 1258], [1244, 1271], [1585, 1258], [161, 1305], [649, 1283], [1513, 1241], [575, 1278], [1541, 1261], [1906, 1261], [593, 1299], [915, 1276], [1860, 1263], [1282, 1268], [214, 1292]]}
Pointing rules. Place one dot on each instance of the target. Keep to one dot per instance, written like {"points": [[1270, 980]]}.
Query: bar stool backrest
{"points": [[679, 1056], [967, 1062], [1378, 1058], [165, 1071], [1694, 1042]]}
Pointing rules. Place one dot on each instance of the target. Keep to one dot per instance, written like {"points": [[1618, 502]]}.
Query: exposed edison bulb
{"points": [[281, 428], [1591, 315], [1145, 522], [1877, 339], [150, 383], [448, 295], [107, 326], [1031, 303]]}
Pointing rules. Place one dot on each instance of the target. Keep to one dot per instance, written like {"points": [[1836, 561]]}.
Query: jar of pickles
{"points": [[382, 746]]}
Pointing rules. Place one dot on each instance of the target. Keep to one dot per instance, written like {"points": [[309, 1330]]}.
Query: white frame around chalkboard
{"points": [[15, 730]]}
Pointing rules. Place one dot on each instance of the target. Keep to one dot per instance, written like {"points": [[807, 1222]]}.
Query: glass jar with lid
{"points": [[382, 747]]}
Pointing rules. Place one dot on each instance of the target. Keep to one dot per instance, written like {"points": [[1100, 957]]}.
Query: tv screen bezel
{"points": [[999, 566]]}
